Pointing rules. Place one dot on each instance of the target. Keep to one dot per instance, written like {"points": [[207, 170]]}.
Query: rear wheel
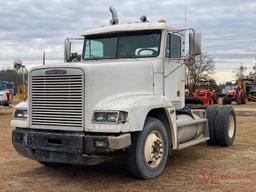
{"points": [[225, 126], [211, 112], [238, 100], [148, 154], [243, 98], [224, 101], [215, 98], [211, 101]]}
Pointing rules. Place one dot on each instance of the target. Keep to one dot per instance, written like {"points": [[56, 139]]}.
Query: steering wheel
{"points": [[154, 52]]}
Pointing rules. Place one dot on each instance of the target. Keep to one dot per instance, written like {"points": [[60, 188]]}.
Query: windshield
{"points": [[122, 45]]}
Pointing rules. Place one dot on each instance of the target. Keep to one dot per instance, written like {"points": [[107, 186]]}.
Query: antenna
{"points": [[185, 17]]}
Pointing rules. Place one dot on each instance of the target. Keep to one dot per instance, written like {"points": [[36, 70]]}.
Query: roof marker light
{"points": [[161, 21]]}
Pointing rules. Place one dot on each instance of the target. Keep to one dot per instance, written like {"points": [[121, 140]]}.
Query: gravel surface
{"points": [[199, 168]]}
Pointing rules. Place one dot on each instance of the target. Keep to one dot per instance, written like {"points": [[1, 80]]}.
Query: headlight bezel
{"points": [[110, 117], [20, 114]]}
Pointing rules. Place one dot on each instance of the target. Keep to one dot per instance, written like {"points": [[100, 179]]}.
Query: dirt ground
{"points": [[199, 168]]}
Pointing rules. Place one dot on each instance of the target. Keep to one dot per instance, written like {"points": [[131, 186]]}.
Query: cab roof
{"points": [[137, 26]]}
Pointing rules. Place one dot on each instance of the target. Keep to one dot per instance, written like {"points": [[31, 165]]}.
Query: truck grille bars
{"points": [[57, 101]]}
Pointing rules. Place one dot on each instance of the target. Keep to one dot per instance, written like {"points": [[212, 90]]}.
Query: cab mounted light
{"points": [[162, 21], [110, 117]]}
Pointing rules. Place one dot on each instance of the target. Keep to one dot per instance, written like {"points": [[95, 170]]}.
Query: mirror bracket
{"points": [[189, 60]]}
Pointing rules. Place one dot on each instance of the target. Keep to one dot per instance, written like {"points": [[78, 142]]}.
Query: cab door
{"points": [[174, 69]]}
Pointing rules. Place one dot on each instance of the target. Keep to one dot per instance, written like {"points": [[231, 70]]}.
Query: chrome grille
{"points": [[57, 100]]}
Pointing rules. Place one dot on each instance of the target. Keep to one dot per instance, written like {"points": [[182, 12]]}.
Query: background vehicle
{"points": [[249, 86], [234, 93], [6, 92], [207, 92], [125, 97]]}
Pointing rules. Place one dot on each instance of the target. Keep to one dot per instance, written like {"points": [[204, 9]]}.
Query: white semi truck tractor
{"points": [[123, 97]]}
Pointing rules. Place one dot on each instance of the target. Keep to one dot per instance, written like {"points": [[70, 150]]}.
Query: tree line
{"points": [[240, 73], [12, 76], [204, 66], [200, 71]]}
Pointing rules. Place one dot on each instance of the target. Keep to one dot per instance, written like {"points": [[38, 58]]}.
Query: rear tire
{"points": [[225, 126], [215, 99], [147, 156], [238, 100], [243, 98], [211, 113], [211, 102], [224, 101]]}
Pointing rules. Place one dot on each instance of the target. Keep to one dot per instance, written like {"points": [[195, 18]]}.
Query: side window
{"points": [[94, 49], [173, 46]]}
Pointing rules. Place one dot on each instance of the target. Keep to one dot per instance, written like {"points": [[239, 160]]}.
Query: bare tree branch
{"points": [[204, 65]]}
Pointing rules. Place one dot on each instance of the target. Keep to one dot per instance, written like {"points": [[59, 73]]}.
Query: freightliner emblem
{"points": [[56, 72]]}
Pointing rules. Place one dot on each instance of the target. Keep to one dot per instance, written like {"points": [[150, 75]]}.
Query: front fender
{"points": [[137, 106]]}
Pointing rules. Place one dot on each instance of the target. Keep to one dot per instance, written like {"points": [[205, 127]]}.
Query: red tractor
{"points": [[234, 93], [207, 93]]}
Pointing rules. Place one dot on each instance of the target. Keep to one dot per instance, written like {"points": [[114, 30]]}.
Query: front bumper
{"points": [[66, 147]]}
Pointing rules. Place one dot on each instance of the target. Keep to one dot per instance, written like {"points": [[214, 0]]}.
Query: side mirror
{"points": [[194, 44], [67, 50], [17, 64]]}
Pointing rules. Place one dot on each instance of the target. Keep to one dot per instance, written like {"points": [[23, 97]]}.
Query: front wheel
{"points": [[51, 164], [148, 154]]}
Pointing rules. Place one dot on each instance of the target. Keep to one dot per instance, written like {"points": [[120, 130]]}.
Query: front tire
{"points": [[51, 164], [148, 153]]}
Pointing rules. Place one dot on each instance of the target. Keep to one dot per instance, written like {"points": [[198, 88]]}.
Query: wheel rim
{"points": [[231, 126], [153, 149]]}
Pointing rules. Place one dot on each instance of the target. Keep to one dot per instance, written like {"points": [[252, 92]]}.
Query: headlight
{"points": [[100, 116], [20, 114], [110, 116]]}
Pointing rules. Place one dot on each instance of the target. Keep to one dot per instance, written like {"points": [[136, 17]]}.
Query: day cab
{"points": [[123, 97]]}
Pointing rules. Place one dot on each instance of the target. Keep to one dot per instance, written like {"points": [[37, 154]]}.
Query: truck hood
{"points": [[108, 80]]}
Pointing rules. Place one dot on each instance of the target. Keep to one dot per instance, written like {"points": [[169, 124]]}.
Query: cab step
{"points": [[192, 142]]}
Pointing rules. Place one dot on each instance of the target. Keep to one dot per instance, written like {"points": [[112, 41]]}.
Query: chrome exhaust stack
{"points": [[114, 19]]}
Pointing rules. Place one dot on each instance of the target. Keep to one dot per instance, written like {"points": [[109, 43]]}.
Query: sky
{"points": [[29, 27]]}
